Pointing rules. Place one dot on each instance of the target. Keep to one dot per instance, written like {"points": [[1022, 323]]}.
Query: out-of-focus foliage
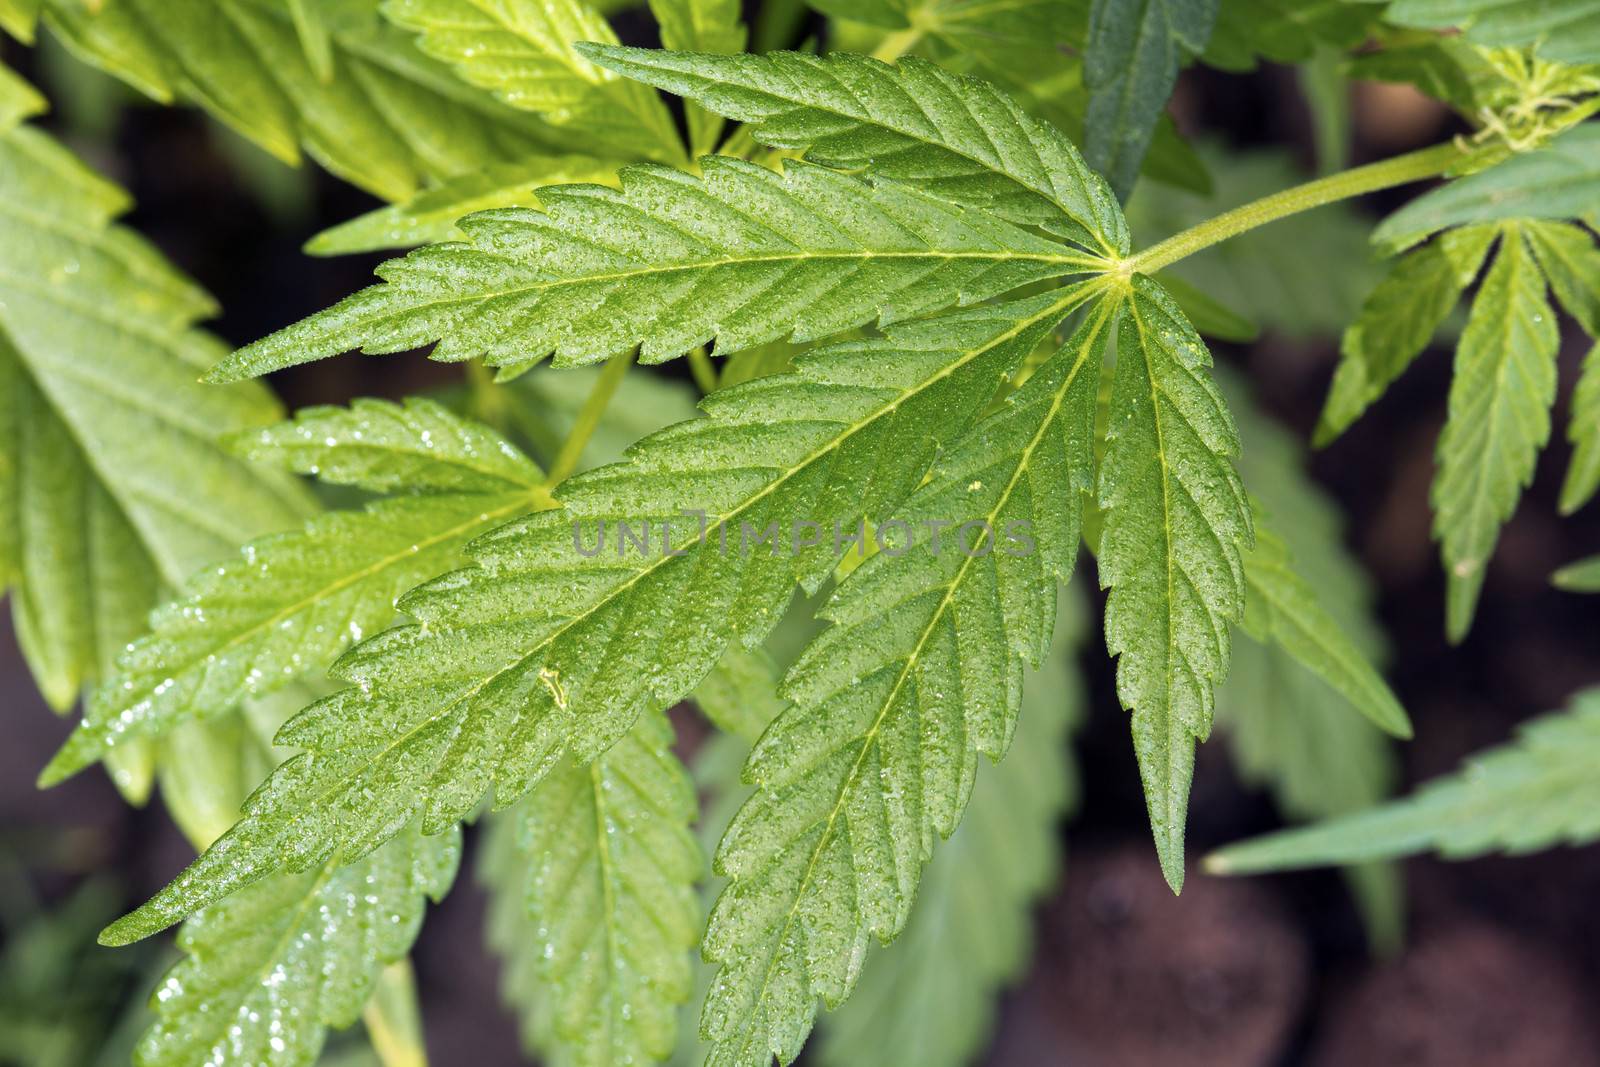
{"points": [[1532, 793], [1505, 373], [1290, 731], [850, 558]]}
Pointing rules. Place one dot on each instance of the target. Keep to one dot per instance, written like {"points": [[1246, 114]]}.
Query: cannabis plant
{"points": [[942, 362]]}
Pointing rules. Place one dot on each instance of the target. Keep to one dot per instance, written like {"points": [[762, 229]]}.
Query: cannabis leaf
{"points": [[930, 998], [547, 649], [391, 121], [1283, 31], [523, 51], [920, 672], [206, 768], [289, 603], [1567, 31], [1580, 577], [700, 26], [955, 137], [1210, 317], [266, 972], [1583, 471], [887, 13], [1556, 181], [670, 262], [1033, 49], [1533, 793], [739, 695], [988, 35], [593, 880], [19, 18], [1397, 321], [311, 26], [1571, 264], [431, 215], [1515, 96], [1130, 65], [79, 577], [109, 443], [1500, 398], [510, 930], [418, 446], [18, 100], [1445, 68], [717, 767], [1176, 520], [1286, 610], [1288, 729], [1505, 375]]}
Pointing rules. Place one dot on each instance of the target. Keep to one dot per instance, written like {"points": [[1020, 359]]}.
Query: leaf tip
{"points": [[323, 244], [1580, 577], [1173, 873], [63, 765], [1387, 713], [225, 372], [125, 931], [1169, 850], [1462, 586]]}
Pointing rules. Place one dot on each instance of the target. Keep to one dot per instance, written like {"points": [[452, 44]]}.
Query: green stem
{"points": [[394, 1019], [1401, 170], [488, 399], [583, 427], [705, 373], [898, 44], [739, 144]]}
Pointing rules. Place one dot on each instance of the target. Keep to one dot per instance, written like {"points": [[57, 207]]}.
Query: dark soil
{"points": [[1471, 996], [1133, 975]]}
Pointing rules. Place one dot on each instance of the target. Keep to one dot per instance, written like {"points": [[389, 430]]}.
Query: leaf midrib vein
{"points": [[1002, 256]]}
